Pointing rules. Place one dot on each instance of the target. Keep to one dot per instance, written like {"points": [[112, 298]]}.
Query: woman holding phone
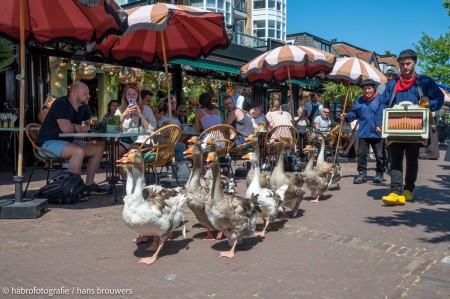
{"points": [[134, 116]]}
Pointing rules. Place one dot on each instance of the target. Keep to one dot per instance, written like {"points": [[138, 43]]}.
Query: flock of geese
{"points": [[156, 211]]}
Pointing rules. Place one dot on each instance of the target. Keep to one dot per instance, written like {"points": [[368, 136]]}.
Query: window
{"points": [[220, 4], [271, 4], [325, 47], [196, 3], [259, 24], [211, 3], [271, 33], [271, 23], [258, 4], [259, 33]]}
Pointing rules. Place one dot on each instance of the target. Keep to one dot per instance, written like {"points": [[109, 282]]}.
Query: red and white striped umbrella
{"points": [[49, 21], [189, 32], [354, 70], [288, 62]]}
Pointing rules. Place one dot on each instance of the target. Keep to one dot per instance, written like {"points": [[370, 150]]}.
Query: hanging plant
{"points": [[112, 82], [7, 55]]}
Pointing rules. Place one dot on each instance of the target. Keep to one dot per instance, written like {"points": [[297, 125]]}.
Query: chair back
{"points": [[32, 131], [224, 136], [162, 147], [289, 134]]}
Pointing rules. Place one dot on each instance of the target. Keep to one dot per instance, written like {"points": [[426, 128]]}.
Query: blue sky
{"points": [[372, 25]]}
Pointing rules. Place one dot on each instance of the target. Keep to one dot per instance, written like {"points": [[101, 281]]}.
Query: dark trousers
{"points": [[411, 151], [363, 150]]}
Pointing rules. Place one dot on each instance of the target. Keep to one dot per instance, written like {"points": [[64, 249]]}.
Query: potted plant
{"points": [[112, 123]]}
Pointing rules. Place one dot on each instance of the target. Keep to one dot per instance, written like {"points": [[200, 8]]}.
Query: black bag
{"points": [[65, 188]]}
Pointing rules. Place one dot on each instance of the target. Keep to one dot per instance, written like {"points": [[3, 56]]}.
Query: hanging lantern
{"points": [[86, 71], [111, 69]]}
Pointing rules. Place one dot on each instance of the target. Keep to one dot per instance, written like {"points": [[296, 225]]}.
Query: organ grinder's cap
{"points": [[407, 54], [368, 82]]}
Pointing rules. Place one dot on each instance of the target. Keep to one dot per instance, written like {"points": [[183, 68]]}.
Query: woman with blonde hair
{"points": [[134, 115]]}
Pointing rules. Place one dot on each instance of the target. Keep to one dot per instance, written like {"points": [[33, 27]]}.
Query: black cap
{"points": [[407, 54], [391, 72], [369, 82]]}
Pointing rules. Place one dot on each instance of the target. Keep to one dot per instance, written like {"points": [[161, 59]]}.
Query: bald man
{"points": [[66, 116]]}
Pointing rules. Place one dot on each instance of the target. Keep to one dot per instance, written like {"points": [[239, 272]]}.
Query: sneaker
{"points": [[183, 170], [378, 178], [95, 190], [360, 179], [393, 199], [408, 195]]}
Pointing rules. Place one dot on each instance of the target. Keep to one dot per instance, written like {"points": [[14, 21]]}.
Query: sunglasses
{"points": [[326, 112], [184, 111]]}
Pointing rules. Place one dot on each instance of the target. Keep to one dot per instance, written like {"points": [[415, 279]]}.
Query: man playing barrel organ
{"points": [[422, 91]]}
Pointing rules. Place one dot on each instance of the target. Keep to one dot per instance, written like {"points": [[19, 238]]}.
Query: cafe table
{"points": [[112, 143]]}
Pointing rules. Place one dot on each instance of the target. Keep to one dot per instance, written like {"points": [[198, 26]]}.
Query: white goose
{"points": [[328, 168], [156, 214], [235, 216], [268, 200]]}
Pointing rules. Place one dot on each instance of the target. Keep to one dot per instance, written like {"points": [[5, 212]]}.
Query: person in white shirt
{"points": [[257, 115], [239, 100]]}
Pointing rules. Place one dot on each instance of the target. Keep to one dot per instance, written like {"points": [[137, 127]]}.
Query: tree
{"points": [[387, 53], [446, 4], [336, 92], [434, 56]]}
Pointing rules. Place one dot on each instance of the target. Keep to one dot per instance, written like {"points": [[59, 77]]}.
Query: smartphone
{"points": [[132, 101]]}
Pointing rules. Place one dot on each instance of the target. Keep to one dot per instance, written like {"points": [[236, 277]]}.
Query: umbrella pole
{"points": [[166, 70], [19, 178], [291, 101], [342, 123]]}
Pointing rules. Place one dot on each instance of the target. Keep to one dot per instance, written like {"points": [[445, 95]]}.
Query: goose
{"points": [[326, 167], [153, 210], [268, 200], [263, 179], [235, 216], [315, 180], [198, 190], [294, 193]]}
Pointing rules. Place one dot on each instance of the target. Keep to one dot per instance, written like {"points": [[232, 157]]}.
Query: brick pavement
{"points": [[347, 246]]}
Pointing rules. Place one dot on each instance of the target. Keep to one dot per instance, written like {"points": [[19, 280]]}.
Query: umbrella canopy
{"points": [[48, 21], [353, 70], [288, 62], [188, 32]]}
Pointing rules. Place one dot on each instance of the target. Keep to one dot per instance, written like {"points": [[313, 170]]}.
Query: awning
{"points": [[306, 82], [209, 65]]}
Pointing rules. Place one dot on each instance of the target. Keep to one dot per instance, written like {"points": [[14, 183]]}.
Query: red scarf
{"points": [[405, 83], [371, 98]]}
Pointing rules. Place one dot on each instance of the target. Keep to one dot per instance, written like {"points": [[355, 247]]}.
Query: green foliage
{"points": [[113, 120], [446, 4], [336, 92], [112, 81], [387, 53], [434, 57], [7, 55]]}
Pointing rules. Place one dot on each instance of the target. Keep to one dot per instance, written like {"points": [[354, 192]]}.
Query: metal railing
{"points": [[248, 40], [240, 5]]}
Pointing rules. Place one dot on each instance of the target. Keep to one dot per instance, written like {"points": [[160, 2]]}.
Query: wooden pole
{"points": [[291, 101], [22, 87], [342, 123], [166, 69]]}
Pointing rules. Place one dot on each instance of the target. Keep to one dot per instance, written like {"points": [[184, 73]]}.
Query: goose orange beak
{"points": [[246, 157], [208, 141], [125, 159], [193, 139], [209, 158], [188, 153], [249, 138]]}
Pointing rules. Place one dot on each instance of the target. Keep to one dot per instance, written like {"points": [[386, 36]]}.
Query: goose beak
{"points": [[188, 153], [208, 141], [209, 159], [249, 138], [193, 139], [246, 157], [126, 159]]}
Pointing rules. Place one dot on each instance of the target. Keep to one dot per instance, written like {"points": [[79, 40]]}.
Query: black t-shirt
{"points": [[61, 109]]}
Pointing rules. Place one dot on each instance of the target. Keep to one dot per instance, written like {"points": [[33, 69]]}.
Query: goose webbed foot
{"points": [[140, 239], [209, 235]]}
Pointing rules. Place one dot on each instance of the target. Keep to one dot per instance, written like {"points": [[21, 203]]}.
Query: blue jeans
{"points": [[180, 147]]}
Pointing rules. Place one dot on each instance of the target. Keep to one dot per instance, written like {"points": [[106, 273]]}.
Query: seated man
{"points": [[67, 115], [322, 123], [239, 119]]}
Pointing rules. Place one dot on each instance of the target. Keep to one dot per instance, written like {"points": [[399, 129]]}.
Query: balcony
{"points": [[240, 5], [245, 40]]}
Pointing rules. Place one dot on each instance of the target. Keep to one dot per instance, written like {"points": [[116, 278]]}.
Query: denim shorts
{"points": [[56, 146]]}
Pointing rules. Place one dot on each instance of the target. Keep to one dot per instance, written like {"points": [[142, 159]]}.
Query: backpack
{"points": [[65, 188]]}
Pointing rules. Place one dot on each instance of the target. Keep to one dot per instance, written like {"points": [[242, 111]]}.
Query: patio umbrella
{"points": [[51, 21], [352, 70], [288, 62], [163, 31]]}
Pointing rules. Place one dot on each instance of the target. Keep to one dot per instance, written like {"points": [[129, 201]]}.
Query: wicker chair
{"points": [[41, 155], [288, 134], [161, 151], [224, 136]]}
